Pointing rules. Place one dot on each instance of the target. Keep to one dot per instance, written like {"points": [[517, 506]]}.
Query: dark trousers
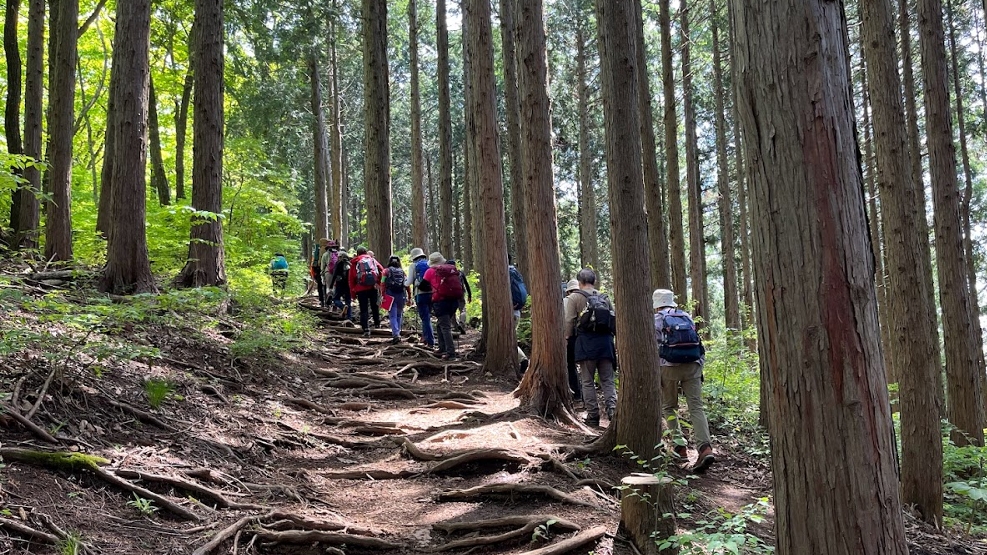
{"points": [[445, 311], [339, 297], [322, 287], [570, 358], [368, 300]]}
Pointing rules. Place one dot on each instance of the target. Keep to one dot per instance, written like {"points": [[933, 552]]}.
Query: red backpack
{"points": [[450, 287]]}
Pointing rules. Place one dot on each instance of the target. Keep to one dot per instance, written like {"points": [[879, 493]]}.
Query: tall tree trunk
{"points": [[911, 317], [965, 208], [697, 238], [661, 272], [419, 234], [469, 221], [501, 345], [58, 210], [29, 215], [731, 302], [336, 204], [128, 269], [377, 104], [963, 383], [12, 110], [746, 288], [444, 240], [433, 218], [816, 302], [971, 263], [544, 388], [589, 247], [159, 181], [676, 239], [206, 263], [512, 106], [104, 210], [181, 128], [638, 406], [320, 143], [347, 226]]}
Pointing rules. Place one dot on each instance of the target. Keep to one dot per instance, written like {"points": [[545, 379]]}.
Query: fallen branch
{"points": [[528, 524], [512, 489], [225, 534], [568, 545], [17, 527], [198, 490], [144, 417], [24, 421]]}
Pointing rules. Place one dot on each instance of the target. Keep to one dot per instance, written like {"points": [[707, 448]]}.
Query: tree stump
{"points": [[644, 500]]}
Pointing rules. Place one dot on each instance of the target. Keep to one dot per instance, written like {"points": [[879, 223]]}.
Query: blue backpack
{"points": [[519, 292], [680, 342]]}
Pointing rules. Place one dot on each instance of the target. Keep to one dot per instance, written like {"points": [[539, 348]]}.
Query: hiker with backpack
{"points": [[422, 293], [571, 291], [395, 288], [519, 292], [339, 283], [317, 270], [364, 278], [278, 269], [682, 356], [327, 264], [589, 319], [461, 320], [447, 291]]}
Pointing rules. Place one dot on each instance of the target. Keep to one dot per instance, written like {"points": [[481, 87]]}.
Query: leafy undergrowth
{"points": [[233, 412]]}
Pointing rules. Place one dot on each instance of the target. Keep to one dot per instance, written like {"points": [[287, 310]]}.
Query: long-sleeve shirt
{"points": [[356, 287]]}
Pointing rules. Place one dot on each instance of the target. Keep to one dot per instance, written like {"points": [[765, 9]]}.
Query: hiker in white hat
{"points": [[682, 356], [422, 293]]}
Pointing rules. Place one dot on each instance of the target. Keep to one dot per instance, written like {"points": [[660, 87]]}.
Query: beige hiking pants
{"points": [[689, 375]]}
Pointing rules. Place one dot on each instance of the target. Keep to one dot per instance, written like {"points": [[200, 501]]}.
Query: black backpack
{"points": [[680, 341], [395, 280], [597, 317]]}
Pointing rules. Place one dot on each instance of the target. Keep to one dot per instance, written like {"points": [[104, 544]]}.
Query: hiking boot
{"points": [[450, 358], [705, 460], [680, 452], [366, 333], [593, 421], [460, 328], [396, 340], [611, 412]]}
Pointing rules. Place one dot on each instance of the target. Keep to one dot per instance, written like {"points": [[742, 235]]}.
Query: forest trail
{"points": [[349, 446]]}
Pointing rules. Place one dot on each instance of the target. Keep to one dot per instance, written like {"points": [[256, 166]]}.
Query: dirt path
{"points": [[354, 446]]}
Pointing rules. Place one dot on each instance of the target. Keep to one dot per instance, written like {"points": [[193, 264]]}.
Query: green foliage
{"points": [[273, 328], [144, 506], [71, 545], [720, 531], [732, 389], [157, 390], [543, 532], [965, 488]]}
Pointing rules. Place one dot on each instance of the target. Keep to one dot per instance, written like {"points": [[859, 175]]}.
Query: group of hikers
{"points": [[435, 286]]}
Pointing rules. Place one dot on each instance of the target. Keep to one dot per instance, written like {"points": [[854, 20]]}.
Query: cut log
{"points": [[644, 501], [565, 546]]}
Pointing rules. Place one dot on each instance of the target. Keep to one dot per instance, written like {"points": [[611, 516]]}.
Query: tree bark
{"points": [[697, 238], [12, 110], [676, 238], [731, 302], [747, 280], [835, 493], [419, 235], [512, 107], [206, 263], [29, 215], [469, 221], [377, 104], [963, 383], [104, 210], [589, 246], [444, 240], [638, 406], [661, 273], [911, 319], [128, 269], [336, 205], [159, 181], [181, 127], [58, 210], [320, 143], [501, 345], [544, 389]]}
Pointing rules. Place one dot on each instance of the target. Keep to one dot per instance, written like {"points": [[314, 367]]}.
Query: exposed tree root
{"points": [[478, 456], [512, 490], [355, 406], [528, 524], [602, 485], [312, 536], [38, 431], [332, 440], [284, 518], [368, 474], [225, 534], [374, 430], [220, 500], [17, 527], [162, 501], [557, 465], [451, 405], [305, 403], [389, 393], [214, 392], [572, 543], [144, 417]]}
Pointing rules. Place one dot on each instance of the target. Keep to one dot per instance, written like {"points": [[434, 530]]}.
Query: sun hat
{"points": [[435, 259], [417, 253], [662, 298], [571, 286]]}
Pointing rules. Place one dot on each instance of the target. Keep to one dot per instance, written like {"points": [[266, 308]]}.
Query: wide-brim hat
{"points": [[417, 253], [435, 259], [662, 298], [573, 285]]}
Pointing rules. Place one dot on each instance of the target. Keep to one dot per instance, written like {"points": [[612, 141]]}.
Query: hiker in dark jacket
{"points": [[366, 291], [422, 290], [340, 284], [571, 290], [594, 351], [394, 286]]}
